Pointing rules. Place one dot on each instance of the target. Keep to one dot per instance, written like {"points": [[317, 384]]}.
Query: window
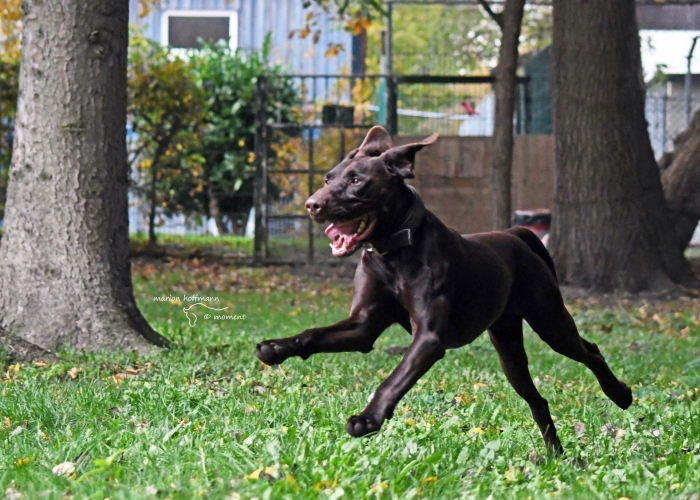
{"points": [[181, 29]]}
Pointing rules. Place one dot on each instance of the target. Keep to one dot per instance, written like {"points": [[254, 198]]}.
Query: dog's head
{"points": [[361, 190]]}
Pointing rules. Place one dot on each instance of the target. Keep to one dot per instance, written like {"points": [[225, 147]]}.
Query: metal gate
{"points": [[292, 157], [292, 154]]}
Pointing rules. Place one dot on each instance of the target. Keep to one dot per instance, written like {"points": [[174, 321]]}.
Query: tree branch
{"points": [[496, 16]]}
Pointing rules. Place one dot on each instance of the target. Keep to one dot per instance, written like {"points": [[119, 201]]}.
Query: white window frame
{"points": [[232, 23]]}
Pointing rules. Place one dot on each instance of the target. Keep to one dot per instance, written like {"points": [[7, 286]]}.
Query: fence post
{"points": [[312, 171], [258, 193], [392, 118]]}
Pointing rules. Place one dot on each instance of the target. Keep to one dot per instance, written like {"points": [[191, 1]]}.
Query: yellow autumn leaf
{"points": [[427, 480], [254, 475], [378, 487], [477, 430]]}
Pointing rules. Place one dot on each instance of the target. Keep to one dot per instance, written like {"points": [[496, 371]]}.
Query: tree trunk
{"points": [[611, 227], [65, 275], [681, 182], [214, 209], [153, 199], [505, 90]]}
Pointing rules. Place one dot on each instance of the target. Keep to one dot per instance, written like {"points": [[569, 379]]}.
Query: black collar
{"points": [[403, 236]]}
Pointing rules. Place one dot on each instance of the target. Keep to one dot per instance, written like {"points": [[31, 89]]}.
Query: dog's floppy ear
{"points": [[399, 160], [376, 142]]}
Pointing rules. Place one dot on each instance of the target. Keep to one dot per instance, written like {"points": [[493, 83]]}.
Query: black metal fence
{"points": [[335, 112]]}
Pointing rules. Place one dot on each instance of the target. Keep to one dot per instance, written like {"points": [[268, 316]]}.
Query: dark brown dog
{"points": [[443, 288]]}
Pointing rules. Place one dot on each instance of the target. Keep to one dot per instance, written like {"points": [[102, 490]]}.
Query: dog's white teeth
{"points": [[361, 227]]}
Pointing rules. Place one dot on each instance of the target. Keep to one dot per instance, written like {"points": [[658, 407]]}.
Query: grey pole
{"points": [[392, 98], [687, 82]]}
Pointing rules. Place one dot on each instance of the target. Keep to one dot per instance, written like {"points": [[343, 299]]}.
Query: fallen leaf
{"points": [[431, 479], [378, 487], [608, 428], [64, 469], [12, 494], [254, 475], [579, 428]]}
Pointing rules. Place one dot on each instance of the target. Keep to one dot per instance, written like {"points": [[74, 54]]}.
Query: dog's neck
{"points": [[399, 232]]}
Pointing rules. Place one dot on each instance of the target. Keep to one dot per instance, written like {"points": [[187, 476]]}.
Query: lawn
{"points": [[207, 419]]}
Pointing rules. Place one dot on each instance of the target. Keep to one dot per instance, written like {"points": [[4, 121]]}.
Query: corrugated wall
{"points": [[257, 18]]}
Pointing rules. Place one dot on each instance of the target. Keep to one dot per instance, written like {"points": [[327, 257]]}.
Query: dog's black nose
{"points": [[314, 205]]}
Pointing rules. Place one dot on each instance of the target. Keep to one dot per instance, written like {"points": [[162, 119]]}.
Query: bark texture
{"points": [[65, 275], [510, 20], [611, 226], [681, 182]]}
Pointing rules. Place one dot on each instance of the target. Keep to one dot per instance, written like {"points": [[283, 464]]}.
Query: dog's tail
{"points": [[535, 245]]}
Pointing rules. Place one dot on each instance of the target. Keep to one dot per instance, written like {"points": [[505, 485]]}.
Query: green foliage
{"points": [[206, 415], [166, 108], [229, 79], [9, 86]]}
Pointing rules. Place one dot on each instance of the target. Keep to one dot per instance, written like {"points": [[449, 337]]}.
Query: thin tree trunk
{"points": [[681, 182], [214, 210], [510, 20], [152, 238], [611, 228], [153, 192], [65, 275]]}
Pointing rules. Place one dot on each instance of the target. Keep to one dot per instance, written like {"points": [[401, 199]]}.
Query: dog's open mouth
{"points": [[347, 236]]}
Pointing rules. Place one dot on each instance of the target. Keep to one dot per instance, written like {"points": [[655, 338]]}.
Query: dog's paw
{"points": [[359, 425], [625, 398], [271, 352]]}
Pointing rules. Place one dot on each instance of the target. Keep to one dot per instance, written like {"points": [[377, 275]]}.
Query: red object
{"points": [[469, 109], [537, 220]]}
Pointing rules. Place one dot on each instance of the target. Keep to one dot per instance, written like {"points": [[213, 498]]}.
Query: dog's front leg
{"points": [[354, 334], [422, 354]]}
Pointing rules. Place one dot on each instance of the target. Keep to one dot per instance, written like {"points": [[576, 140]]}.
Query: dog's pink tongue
{"points": [[340, 228]]}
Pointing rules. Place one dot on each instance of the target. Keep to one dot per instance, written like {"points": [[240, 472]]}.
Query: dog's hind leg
{"points": [[507, 337], [553, 323]]}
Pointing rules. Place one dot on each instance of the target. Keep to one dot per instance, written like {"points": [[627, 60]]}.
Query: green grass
{"points": [[206, 413], [190, 242], [282, 248]]}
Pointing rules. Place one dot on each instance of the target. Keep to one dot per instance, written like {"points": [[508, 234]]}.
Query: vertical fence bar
{"points": [[266, 179], [341, 154], [528, 107], [392, 101], [312, 169], [664, 104], [258, 192]]}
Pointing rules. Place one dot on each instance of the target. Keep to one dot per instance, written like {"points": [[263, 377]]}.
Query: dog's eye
{"points": [[355, 180]]}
